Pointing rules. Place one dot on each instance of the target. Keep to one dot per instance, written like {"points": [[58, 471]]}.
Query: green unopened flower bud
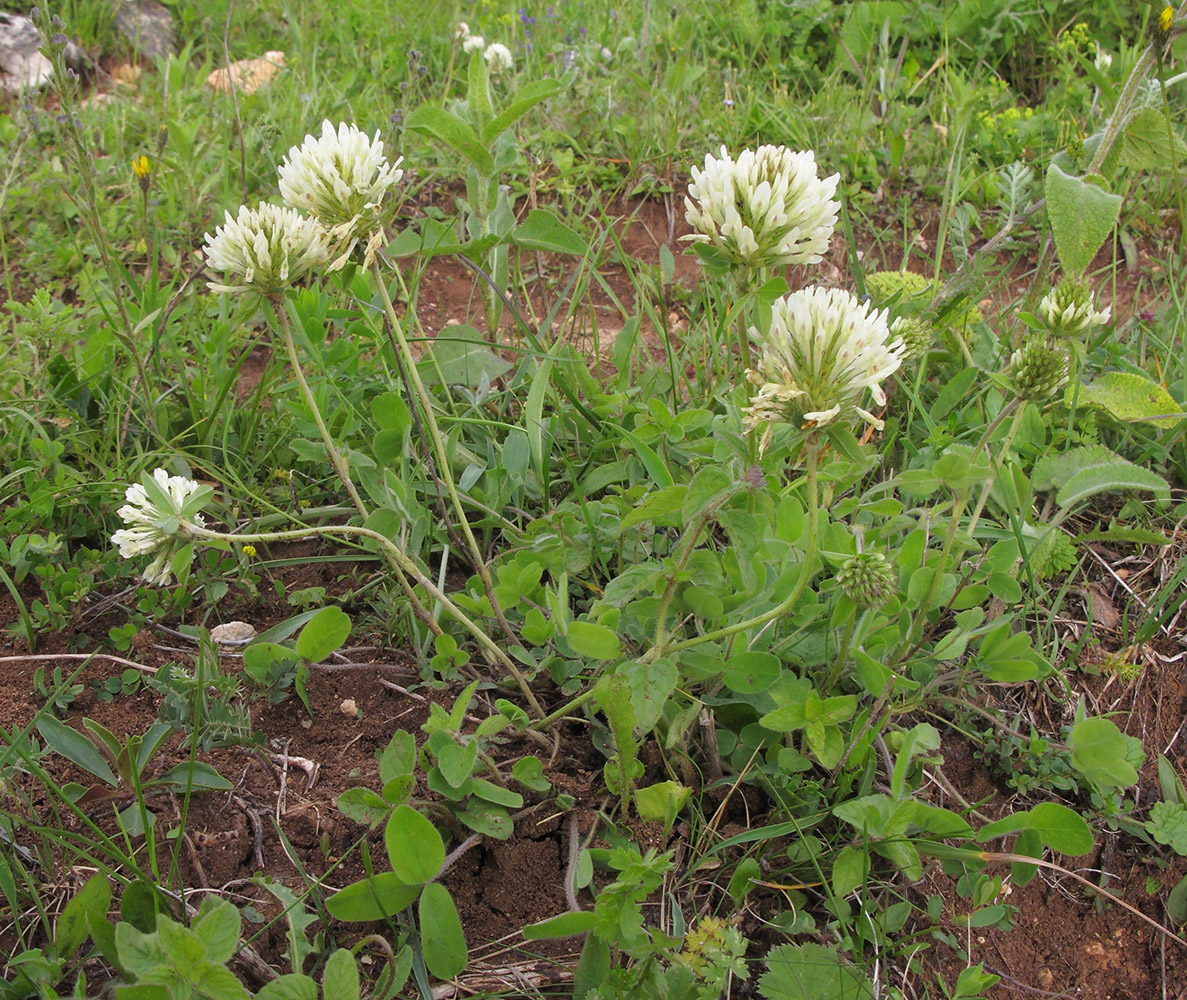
{"points": [[1069, 309], [866, 579], [916, 334], [1039, 368]]}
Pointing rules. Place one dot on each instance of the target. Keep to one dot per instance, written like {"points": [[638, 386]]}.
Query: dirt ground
{"points": [[1065, 943]]}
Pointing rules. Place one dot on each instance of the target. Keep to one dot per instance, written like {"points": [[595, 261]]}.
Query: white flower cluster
{"points": [[765, 209], [823, 350], [340, 180], [267, 248], [1069, 309], [496, 54], [158, 522]]}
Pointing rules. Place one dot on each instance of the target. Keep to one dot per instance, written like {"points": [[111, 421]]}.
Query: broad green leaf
{"points": [[291, 986], [435, 239], [596, 642], [1098, 753], [543, 231], [1062, 829], [1128, 396], [195, 774], [487, 818], [651, 685], [529, 772], [662, 802], [341, 979], [217, 927], [1148, 142], [414, 846], [139, 953], [460, 356], [439, 124], [660, 503], [374, 898], [442, 941], [1112, 478], [751, 672], [75, 747], [1082, 216], [1176, 903], [71, 930], [526, 98], [325, 632], [562, 925], [362, 805], [849, 869]]}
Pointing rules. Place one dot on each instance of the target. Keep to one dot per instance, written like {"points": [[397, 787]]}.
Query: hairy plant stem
{"points": [[440, 456], [335, 456], [807, 565], [1019, 413], [406, 563]]}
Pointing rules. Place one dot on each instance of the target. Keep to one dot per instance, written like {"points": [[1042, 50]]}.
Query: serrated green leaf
{"points": [[217, 927], [811, 972]]}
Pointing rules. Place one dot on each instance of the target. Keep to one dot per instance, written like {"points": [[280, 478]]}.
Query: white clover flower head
{"points": [[1069, 309], [606, 54], [765, 209], [473, 43], [499, 56], [461, 32], [1103, 60], [822, 351], [340, 179], [265, 249], [159, 513]]}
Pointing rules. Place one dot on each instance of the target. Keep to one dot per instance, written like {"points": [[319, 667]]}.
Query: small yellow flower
{"points": [[1166, 17], [140, 166], [249, 551]]}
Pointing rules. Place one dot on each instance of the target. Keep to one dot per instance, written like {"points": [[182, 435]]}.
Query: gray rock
{"points": [[22, 65], [147, 25]]}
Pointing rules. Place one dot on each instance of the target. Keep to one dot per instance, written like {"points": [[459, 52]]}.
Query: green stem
{"points": [[1019, 413], [811, 456], [406, 563], [441, 457], [335, 456], [665, 601]]}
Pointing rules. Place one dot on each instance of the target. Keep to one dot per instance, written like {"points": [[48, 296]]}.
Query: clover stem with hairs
{"points": [[441, 458], [332, 452], [407, 565]]}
